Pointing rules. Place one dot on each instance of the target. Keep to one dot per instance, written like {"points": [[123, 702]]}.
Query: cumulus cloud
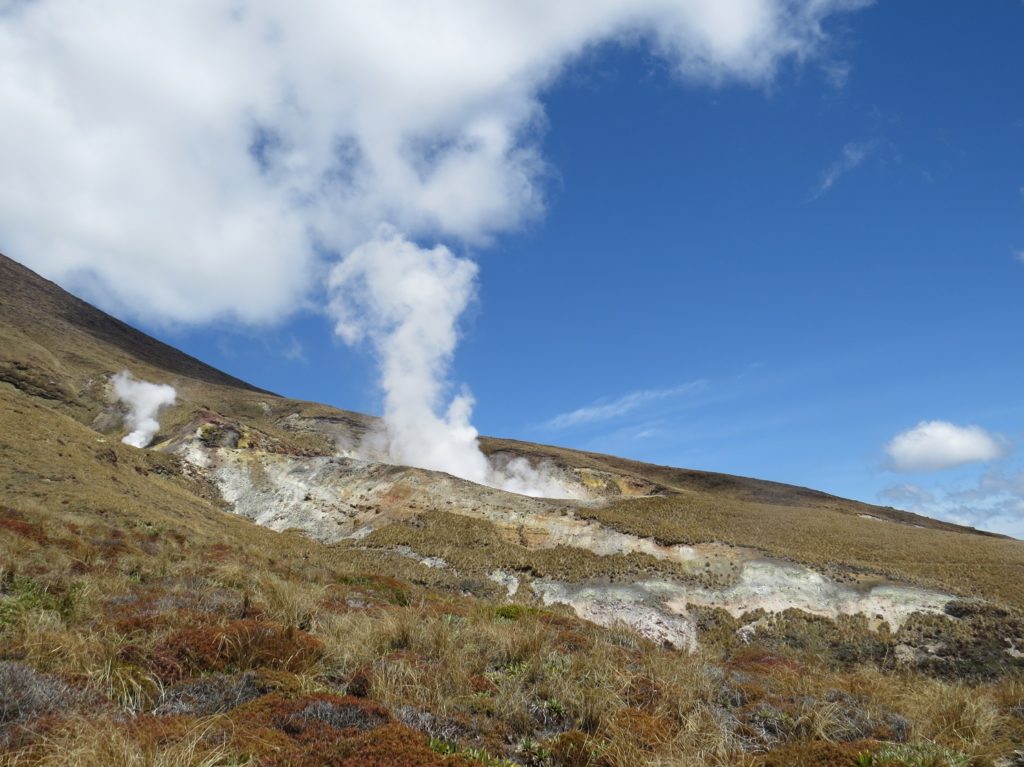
{"points": [[936, 445], [191, 160], [607, 410], [145, 401], [209, 159]]}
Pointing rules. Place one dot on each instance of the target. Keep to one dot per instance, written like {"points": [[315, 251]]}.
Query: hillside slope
{"points": [[59, 347], [744, 621]]}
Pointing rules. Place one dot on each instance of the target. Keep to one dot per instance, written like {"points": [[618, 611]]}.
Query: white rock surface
{"points": [[337, 497], [506, 579]]}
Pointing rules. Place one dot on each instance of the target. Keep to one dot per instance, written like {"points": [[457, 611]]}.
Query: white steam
{"points": [[145, 401], [518, 475], [406, 300]]}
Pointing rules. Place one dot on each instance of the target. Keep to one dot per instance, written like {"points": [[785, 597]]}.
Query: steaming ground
{"points": [[144, 401], [405, 301], [661, 550], [359, 492], [511, 474], [362, 502], [80, 507]]}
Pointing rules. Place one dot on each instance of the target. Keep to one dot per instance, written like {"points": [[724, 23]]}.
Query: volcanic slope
{"points": [[379, 612]]}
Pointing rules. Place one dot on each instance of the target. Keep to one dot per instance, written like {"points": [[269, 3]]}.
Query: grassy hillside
{"points": [[143, 624]]}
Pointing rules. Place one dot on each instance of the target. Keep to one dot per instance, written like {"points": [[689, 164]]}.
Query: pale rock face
{"points": [[774, 587], [506, 579], [437, 563], [658, 610], [639, 606], [339, 497]]}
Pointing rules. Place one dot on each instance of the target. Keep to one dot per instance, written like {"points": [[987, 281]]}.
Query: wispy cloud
{"points": [[836, 73], [294, 351], [606, 410], [908, 495], [850, 157], [994, 502], [1019, 255], [646, 433]]}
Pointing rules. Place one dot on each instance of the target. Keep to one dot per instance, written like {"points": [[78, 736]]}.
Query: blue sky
{"points": [[768, 276]]}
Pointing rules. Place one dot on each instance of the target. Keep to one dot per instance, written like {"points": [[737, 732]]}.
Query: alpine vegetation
{"points": [[145, 401]]}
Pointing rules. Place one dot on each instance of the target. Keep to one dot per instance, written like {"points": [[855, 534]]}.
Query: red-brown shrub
{"points": [[816, 754], [28, 530], [236, 646]]}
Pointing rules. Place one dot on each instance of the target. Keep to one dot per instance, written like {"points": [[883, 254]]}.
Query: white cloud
{"points": [[837, 73], [208, 159], [935, 445], [908, 495], [607, 410], [191, 160], [994, 502], [850, 157]]}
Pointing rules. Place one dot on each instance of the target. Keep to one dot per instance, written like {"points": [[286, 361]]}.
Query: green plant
{"points": [[554, 708], [442, 746], [920, 754], [533, 753], [479, 755], [22, 594], [508, 612], [486, 759]]}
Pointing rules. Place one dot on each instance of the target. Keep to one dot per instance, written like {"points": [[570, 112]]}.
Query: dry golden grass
{"points": [[86, 742], [458, 669], [525, 684], [476, 547], [141, 624]]}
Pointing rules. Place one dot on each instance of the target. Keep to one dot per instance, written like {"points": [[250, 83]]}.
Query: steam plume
{"points": [[406, 300], [145, 401]]}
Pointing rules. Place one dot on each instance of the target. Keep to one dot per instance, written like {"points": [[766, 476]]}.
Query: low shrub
{"points": [[236, 646], [508, 612], [20, 595], [325, 730], [576, 749], [816, 754], [26, 694], [215, 694], [921, 754]]}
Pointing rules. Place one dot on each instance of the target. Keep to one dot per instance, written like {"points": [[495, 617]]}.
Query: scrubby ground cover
{"points": [[833, 542], [141, 624], [124, 643]]}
